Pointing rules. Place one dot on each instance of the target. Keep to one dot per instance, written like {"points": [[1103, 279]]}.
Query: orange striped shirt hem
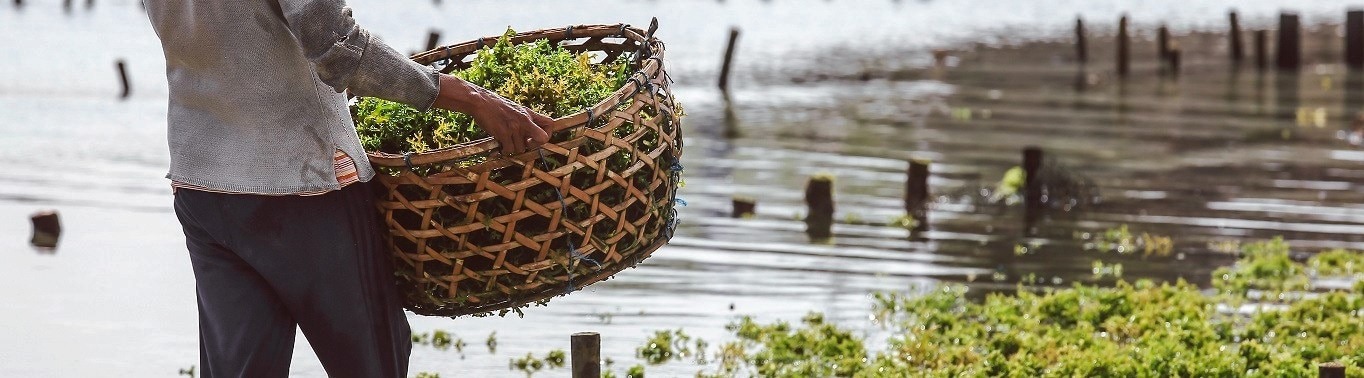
{"points": [[342, 164]]}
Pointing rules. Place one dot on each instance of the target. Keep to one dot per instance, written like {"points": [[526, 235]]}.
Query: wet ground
{"points": [[1219, 153]]}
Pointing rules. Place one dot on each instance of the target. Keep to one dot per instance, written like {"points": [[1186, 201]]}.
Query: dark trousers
{"points": [[265, 264]]}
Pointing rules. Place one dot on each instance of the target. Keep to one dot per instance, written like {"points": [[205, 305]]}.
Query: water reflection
{"points": [[1287, 88]]}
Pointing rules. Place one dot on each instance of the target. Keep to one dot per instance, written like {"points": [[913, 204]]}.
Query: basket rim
{"points": [[650, 68]]}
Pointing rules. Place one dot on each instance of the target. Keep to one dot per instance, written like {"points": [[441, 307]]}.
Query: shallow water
{"points": [[1201, 159]]}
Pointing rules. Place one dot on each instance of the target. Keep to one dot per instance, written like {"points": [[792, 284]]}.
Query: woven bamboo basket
{"points": [[473, 231]]}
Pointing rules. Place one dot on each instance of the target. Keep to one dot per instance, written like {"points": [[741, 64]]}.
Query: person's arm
{"points": [[348, 57]]}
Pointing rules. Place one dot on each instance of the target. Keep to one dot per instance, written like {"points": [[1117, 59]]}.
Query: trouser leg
{"points": [[244, 328], [324, 259]]}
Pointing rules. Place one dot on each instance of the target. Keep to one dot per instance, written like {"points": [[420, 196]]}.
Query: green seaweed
{"points": [[540, 75]]}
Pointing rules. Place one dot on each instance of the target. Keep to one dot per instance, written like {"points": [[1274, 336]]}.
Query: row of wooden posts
{"points": [[1288, 54], [819, 196]]}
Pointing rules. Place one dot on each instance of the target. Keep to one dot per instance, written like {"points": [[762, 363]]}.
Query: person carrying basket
{"points": [[272, 187]]}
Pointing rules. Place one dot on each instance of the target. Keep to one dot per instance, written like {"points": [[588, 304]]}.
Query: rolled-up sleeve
{"points": [[348, 57]]}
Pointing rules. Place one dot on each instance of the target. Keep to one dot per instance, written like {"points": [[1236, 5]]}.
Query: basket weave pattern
{"points": [[473, 231]]}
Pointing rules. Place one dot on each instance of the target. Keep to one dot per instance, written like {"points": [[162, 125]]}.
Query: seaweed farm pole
{"points": [[1032, 187], [1261, 40], [729, 57], [916, 191], [47, 228], [432, 38], [819, 197], [123, 77], [1172, 57], [586, 349], [1122, 46], [1163, 43], [1237, 47], [1081, 55], [1331, 370], [743, 206], [1290, 42], [1354, 39]]}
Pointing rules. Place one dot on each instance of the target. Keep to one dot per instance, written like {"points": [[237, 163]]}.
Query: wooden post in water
{"points": [[1173, 58], [1290, 42], [1081, 54], [819, 197], [1163, 43], [1331, 370], [47, 228], [729, 58], [1032, 188], [743, 206], [1261, 40], [1354, 39], [1237, 47], [432, 38], [916, 191], [1122, 46], [586, 349], [123, 78], [1032, 166]]}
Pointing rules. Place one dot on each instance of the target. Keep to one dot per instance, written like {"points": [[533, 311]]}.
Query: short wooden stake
{"points": [[916, 187], [1354, 39], [1032, 167], [1173, 57], [1123, 41], [743, 206], [1163, 43], [819, 197], [1032, 188], [123, 78], [1290, 42], [47, 228], [1081, 52], [1331, 370], [1237, 48], [432, 38], [916, 193], [586, 349], [729, 58], [1261, 50]]}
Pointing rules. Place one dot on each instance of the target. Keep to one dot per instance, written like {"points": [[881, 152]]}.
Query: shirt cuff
{"points": [[387, 74]]}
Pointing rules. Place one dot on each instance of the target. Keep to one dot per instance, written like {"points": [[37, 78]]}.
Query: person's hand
{"points": [[514, 126]]}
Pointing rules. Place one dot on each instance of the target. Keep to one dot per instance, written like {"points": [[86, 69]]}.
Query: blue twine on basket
{"points": [[572, 249], [675, 171]]}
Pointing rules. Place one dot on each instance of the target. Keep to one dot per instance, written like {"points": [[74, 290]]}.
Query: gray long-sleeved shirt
{"points": [[255, 91]]}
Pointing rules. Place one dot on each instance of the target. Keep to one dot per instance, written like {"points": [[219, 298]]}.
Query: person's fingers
{"points": [[537, 135], [515, 142], [505, 139], [546, 124]]}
